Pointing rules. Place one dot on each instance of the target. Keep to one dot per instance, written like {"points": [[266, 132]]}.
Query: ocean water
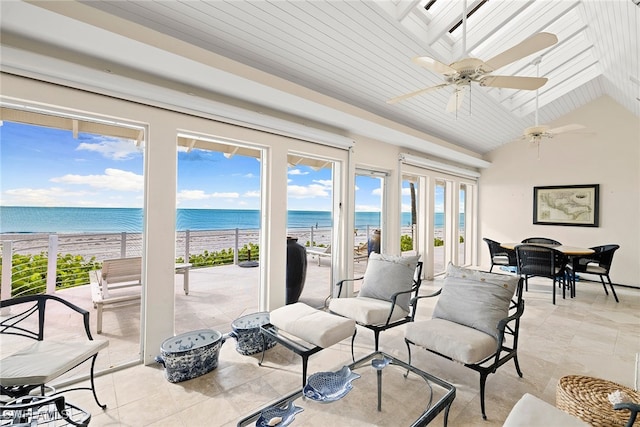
{"points": [[16, 219]]}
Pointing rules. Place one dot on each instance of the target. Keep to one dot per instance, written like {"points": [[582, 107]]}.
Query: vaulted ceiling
{"points": [[336, 53]]}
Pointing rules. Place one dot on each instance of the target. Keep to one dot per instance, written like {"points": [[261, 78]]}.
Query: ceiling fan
{"points": [[462, 73], [537, 132]]}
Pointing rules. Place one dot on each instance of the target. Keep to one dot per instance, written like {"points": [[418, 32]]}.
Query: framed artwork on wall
{"points": [[576, 205]]}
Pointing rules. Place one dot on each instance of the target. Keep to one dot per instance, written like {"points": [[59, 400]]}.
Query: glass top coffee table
{"points": [[381, 396]]}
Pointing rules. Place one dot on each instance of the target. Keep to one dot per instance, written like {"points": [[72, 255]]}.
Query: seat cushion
{"points": [[476, 299], [388, 274], [44, 361], [595, 269], [314, 326], [366, 311], [459, 342], [531, 411], [501, 260]]}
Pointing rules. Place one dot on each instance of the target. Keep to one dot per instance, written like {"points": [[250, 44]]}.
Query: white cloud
{"points": [[232, 195], [184, 195], [191, 195], [406, 191], [327, 183], [305, 192], [367, 208], [53, 196], [297, 172], [253, 193], [113, 179], [112, 148], [376, 192]]}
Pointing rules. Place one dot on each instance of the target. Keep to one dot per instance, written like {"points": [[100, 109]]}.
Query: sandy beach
{"points": [[116, 245]]}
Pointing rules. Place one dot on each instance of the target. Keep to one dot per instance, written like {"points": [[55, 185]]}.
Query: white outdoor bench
{"points": [[120, 283], [320, 252]]}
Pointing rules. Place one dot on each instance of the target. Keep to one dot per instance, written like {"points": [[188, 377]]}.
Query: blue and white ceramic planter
{"points": [[190, 355], [246, 331]]}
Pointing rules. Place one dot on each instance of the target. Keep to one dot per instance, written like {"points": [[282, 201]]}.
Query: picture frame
{"points": [[572, 205]]}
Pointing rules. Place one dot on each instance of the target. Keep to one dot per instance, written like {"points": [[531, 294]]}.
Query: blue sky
{"points": [[47, 167]]}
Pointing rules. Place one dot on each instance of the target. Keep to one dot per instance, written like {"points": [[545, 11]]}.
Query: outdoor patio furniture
{"points": [[118, 282], [386, 299], [475, 322], [44, 359]]}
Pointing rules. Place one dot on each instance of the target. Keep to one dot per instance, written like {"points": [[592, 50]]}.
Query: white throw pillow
{"points": [[388, 274], [475, 298]]}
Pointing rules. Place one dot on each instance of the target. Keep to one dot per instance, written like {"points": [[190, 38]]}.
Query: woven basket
{"points": [[588, 399]]}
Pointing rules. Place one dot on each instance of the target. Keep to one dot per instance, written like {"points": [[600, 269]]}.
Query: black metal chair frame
{"points": [[496, 250], [545, 266], [604, 257], [543, 240], [417, 280], [13, 325], [634, 408], [506, 348]]}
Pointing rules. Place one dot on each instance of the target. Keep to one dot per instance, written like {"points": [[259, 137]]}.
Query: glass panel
{"points": [[409, 233], [309, 220], [368, 219], [462, 225], [71, 200], [439, 227], [218, 233]]}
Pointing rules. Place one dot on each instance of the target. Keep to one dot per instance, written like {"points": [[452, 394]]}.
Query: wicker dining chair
{"points": [[499, 255], [543, 240], [541, 261], [598, 263]]}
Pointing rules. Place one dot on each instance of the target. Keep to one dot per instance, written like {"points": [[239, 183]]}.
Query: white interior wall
{"points": [[609, 155]]}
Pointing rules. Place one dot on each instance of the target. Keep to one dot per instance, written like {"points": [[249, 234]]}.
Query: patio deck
{"points": [[217, 296]]}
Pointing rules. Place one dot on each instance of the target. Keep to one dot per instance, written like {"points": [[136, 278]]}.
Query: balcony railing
{"points": [[28, 268]]}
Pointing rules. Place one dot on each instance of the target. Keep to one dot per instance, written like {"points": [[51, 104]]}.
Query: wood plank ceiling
{"points": [[360, 52]]}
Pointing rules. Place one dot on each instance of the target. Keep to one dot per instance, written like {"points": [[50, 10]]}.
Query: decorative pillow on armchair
{"points": [[475, 298], [388, 274]]}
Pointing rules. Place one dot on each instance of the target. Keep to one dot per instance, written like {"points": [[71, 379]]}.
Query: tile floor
{"points": [[590, 335]]}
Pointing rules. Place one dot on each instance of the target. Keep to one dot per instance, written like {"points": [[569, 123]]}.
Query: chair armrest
{"points": [[502, 328], [502, 324], [341, 282], [12, 324], [393, 299], [633, 407], [414, 302]]}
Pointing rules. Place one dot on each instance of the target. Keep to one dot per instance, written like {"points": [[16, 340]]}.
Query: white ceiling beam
{"points": [[404, 7]]}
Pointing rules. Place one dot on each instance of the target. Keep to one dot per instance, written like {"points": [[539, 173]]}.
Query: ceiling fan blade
{"points": [[433, 65], [566, 128], [455, 101], [416, 93], [514, 82], [525, 48]]}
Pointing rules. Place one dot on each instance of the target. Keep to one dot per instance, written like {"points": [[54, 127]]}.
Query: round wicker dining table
{"points": [[588, 399]]}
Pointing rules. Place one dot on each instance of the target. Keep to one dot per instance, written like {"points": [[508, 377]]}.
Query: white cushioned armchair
{"points": [[41, 360], [475, 322], [386, 298]]}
